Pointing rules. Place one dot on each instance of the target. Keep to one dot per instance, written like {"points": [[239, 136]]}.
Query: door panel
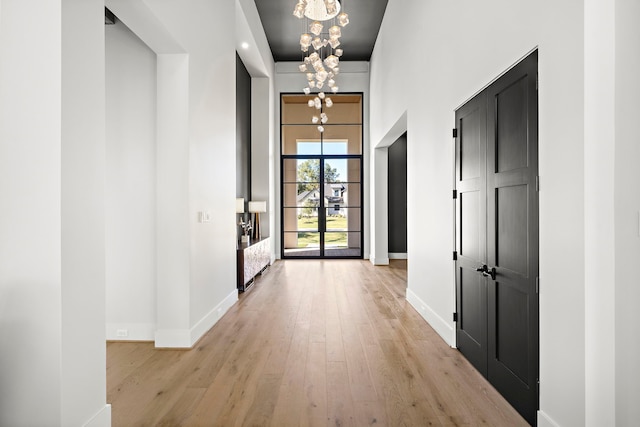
{"points": [[470, 237], [511, 309], [473, 305], [472, 123], [511, 244], [471, 232], [497, 227], [511, 127]]}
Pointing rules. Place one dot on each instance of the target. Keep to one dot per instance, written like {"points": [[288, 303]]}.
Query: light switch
{"points": [[204, 216]]}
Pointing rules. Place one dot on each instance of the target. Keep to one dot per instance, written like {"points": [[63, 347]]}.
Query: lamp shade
{"points": [[240, 205], [257, 206]]}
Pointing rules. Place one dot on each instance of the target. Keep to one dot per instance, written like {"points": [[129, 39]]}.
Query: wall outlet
{"points": [[122, 333]]}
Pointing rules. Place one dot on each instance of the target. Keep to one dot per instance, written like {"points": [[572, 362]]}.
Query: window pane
{"points": [[342, 170], [308, 147], [337, 146], [351, 195], [294, 134], [343, 219], [296, 195], [300, 219], [343, 244], [302, 244], [346, 109], [295, 110], [351, 134]]}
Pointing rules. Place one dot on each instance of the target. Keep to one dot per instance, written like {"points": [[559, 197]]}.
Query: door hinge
{"points": [[455, 255], [537, 285], [455, 132], [455, 317], [537, 182], [537, 81], [455, 194]]}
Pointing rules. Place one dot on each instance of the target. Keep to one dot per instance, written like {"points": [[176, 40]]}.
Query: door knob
{"points": [[482, 269], [489, 272]]}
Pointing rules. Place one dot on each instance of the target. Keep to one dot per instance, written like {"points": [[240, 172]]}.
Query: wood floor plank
{"points": [[339, 403], [314, 411], [359, 375], [291, 394], [125, 358], [312, 343], [334, 343], [177, 414], [317, 327], [370, 414], [260, 412], [410, 387], [387, 386]]}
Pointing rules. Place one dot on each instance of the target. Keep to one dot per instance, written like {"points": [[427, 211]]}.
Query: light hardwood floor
{"points": [[314, 343]]}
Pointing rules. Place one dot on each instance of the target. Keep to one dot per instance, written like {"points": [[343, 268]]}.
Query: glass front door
{"points": [[322, 207]]}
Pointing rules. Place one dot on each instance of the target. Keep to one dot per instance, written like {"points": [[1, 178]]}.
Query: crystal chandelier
{"points": [[320, 43]]}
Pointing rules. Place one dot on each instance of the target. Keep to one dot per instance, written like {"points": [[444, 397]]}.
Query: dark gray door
{"points": [[509, 266]]}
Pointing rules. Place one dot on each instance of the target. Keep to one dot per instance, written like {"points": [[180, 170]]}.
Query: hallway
{"points": [[331, 343]]}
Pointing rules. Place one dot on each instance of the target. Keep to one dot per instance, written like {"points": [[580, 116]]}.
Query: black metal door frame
{"points": [[321, 207]]}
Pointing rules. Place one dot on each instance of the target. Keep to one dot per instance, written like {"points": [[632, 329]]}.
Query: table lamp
{"points": [[257, 207]]}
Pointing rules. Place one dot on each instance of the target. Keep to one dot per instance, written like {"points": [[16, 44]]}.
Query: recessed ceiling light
{"points": [[244, 45]]}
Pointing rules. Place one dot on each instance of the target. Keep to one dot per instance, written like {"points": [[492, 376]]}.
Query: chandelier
{"points": [[320, 43]]}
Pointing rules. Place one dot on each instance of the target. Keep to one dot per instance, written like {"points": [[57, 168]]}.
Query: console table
{"points": [[253, 259]]}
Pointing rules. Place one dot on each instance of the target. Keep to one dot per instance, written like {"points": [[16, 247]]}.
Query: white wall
{"points": [[599, 211], [195, 144], [199, 26], [424, 65], [354, 77], [627, 212], [83, 224], [52, 352], [30, 219], [130, 185]]}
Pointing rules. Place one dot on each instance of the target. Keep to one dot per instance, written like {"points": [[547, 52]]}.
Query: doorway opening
{"points": [[397, 198]]}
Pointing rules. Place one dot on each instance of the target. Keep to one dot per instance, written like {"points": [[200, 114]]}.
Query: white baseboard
{"points": [[101, 419], [379, 261], [207, 322], [134, 331], [398, 255], [186, 338], [444, 329], [545, 420], [173, 338]]}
